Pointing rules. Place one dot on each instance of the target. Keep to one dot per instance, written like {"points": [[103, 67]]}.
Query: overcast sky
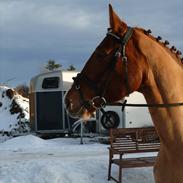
{"points": [[34, 31]]}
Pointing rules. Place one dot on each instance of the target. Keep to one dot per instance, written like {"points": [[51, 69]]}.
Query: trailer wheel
{"points": [[110, 120]]}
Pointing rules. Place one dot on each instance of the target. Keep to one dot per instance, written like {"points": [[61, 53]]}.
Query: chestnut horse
{"points": [[128, 60]]}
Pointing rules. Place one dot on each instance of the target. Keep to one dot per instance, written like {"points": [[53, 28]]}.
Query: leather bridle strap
{"points": [[121, 52], [86, 103]]}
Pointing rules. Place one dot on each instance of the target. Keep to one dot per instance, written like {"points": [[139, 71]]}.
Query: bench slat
{"points": [[135, 162], [134, 151]]}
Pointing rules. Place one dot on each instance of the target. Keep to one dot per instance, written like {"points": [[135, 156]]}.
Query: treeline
{"points": [[52, 65]]}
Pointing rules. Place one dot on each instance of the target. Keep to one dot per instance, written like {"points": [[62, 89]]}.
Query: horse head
{"points": [[114, 70]]}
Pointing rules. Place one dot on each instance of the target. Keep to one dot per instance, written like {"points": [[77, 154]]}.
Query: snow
{"points": [[10, 122], [31, 159]]}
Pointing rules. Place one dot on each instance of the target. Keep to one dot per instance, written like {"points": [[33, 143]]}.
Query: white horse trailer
{"points": [[47, 112], [137, 116], [48, 115], [131, 117]]}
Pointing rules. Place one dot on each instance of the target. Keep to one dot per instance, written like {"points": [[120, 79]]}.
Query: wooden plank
{"points": [[135, 162]]}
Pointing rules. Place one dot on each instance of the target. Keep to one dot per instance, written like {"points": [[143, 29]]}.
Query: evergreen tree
{"points": [[52, 65], [71, 68]]}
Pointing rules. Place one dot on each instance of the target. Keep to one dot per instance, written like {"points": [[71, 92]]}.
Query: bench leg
{"points": [[109, 170], [120, 174], [110, 164]]}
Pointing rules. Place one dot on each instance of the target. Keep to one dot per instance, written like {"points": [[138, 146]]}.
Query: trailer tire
{"points": [[110, 120]]}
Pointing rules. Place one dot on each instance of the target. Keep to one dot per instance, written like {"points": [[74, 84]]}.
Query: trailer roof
{"points": [[64, 83]]}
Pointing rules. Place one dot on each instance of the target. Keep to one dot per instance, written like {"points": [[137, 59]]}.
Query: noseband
{"points": [[99, 101]]}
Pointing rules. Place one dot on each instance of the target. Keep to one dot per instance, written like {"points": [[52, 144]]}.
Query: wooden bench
{"points": [[132, 140]]}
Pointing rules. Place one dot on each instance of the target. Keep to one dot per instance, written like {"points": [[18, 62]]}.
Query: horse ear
{"points": [[115, 22]]}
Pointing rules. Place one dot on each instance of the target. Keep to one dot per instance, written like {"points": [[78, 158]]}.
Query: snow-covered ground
{"points": [[30, 159], [14, 112]]}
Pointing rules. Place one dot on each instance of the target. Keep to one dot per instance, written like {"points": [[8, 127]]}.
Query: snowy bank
{"points": [[14, 112], [33, 160]]}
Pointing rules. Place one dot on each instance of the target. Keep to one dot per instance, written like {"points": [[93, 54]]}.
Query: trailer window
{"points": [[51, 82]]}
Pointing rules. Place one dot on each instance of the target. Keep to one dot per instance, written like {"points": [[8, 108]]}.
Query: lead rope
{"points": [[125, 104]]}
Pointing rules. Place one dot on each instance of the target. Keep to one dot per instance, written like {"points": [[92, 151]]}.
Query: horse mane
{"points": [[175, 54]]}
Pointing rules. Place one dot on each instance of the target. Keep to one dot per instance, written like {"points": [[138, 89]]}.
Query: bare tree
{"points": [[23, 90]]}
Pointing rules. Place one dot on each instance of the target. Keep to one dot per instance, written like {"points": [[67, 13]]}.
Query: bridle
{"points": [[99, 101]]}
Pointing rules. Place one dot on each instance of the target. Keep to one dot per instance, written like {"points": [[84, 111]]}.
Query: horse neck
{"points": [[164, 85]]}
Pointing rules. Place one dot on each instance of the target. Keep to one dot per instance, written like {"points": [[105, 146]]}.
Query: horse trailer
{"points": [[48, 115], [130, 117], [137, 117], [47, 112]]}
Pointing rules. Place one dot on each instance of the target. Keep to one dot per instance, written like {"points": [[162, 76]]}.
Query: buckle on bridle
{"points": [[124, 59], [118, 54], [98, 102], [77, 87]]}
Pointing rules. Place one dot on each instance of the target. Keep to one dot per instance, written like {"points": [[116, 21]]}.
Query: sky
{"points": [[68, 31]]}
